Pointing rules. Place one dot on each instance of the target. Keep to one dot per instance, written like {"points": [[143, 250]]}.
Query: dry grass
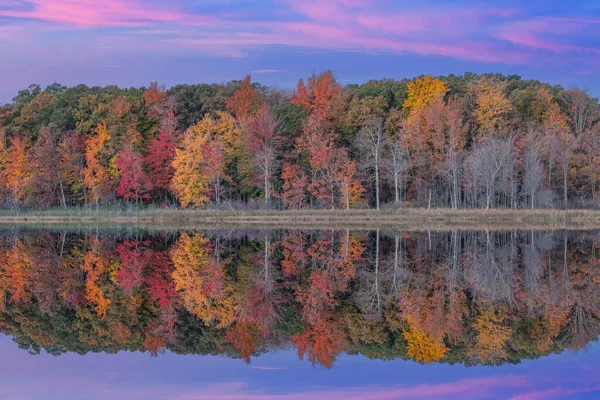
{"points": [[406, 219]]}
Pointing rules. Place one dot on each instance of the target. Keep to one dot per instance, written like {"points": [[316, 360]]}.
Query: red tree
{"points": [[245, 101], [322, 96], [134, 259], [263, 141], [159, 162], [134, 183]]}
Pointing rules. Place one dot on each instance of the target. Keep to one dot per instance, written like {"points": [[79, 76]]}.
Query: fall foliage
{"points": [[425, 141], [472, 297]]}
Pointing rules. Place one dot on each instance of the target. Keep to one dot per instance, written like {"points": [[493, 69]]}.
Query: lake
{"points": [[104, 313]]}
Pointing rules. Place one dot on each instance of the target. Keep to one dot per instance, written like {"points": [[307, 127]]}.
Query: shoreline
{"points": [[405, 218]]}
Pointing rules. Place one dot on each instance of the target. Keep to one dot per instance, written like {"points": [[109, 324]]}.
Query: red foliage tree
{"points": [[134, 183], [293, 192], [245, 101], [159, 162], [322, 96], [134, 259], [263, 141]]}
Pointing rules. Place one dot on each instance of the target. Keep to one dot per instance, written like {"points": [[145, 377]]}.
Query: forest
{"points": [[469, 297], [471, 141]]}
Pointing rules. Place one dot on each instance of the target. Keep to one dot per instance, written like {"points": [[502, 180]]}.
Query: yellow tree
{"points": [[422, 91], [492, 107], [95, 267], [350, 188], [17, 169], [421, 347], [201, 159], [492, 334], [95, 174], [15, 270], [205, 288]]}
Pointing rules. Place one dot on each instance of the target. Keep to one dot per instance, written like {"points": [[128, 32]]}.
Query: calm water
{"points": [[251, 314]]}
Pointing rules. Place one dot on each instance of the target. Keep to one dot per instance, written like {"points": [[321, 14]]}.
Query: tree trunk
{"points": [[266, 186], [377, 179], [565, 174], [429, 201], [347, 197], [62, 191], [396, 193]]}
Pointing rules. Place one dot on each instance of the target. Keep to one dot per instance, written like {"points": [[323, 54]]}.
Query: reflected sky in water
{"points": [[282, 375], [292, 314]]}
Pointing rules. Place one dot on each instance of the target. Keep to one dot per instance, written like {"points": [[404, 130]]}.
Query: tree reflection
{"points": [[472, 297]]}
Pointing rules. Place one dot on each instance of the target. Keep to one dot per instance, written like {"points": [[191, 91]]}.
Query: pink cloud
{"points": [[98, 13], [550, 34], [463, 389], [468, 33], [556, 392]]}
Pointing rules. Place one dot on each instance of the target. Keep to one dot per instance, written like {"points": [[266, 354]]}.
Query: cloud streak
{"points": [[471, 33], [97, 13]]}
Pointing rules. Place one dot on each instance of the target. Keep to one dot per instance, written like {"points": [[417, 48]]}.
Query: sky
{"points": [[135, 42], [137, 376]]}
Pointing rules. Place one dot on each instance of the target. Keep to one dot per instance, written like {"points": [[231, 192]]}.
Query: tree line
{"points": [[470, 141], [456, 297]]}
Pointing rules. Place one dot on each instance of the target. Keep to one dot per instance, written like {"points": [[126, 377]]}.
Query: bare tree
{"points": [[395, 165], [489, 160], [369, 295], [567, 144], [451, 171], [533, 176], [263, 140], [370, 141], [582, 110]]}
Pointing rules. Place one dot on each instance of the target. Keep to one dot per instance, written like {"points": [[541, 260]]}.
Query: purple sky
{"points": [[136, 376], [133, 42]]}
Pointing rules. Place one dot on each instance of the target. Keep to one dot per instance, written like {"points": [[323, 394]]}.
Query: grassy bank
{"points": [[406, 218]]}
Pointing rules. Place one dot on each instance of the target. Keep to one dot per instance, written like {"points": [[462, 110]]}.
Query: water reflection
{"points": [[455, 297]]}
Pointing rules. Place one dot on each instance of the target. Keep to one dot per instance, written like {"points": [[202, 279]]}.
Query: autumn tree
{"points": [[293, 193], [321, 96], [71, 164], [350, 187], [202, 281], [161, 108], [246, 101], [159, 162], [422, 91], [201, 159], [263, 141], [47, 179], [135, 183], [492, 107], [421, 347], [17, 169], [321, 343], [96, 176]]}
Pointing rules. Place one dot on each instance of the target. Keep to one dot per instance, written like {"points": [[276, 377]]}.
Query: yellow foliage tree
{"points": [[96, 174], [17, 169], [423, 348], [422, 91], [15, 271], [492, 107], [201, 159], [205, 289], [95, 267], [492, 335]]}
